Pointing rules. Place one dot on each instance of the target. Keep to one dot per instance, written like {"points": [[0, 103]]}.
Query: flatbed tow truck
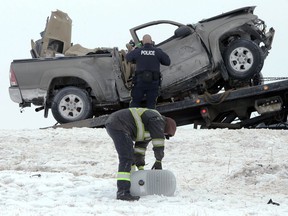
{"points": [[261, 106]]}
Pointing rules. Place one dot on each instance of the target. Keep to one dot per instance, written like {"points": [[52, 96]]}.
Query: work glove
{"points": [[158, 153], [132, 43], [133, 168], [157, 165], [139, 161]]}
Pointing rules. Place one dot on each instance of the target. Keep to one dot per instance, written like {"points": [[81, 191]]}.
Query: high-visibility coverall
{"points": [[135, 124]]}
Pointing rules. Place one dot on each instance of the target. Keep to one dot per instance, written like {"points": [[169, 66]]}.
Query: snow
{"points": [[72, 172]]}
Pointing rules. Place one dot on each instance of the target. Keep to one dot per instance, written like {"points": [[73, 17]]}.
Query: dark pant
{"points": [[124, 147], [142, 89]]}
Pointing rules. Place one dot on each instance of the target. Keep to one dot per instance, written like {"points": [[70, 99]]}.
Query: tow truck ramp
{"points": [[96, 122]]}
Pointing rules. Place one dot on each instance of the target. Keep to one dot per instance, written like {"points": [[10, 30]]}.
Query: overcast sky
{"points": [[106, 23]]}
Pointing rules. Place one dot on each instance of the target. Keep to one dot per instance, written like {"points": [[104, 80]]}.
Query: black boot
{"points": [[124, 195]]}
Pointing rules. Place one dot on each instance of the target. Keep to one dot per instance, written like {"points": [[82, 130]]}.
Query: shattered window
{"points": [[159, 33]]}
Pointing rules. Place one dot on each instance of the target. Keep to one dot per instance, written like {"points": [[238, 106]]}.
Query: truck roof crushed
{"points": [[56, 39]]}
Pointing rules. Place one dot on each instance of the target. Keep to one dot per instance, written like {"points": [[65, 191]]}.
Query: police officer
{"points": [[147, 74], [137, 124]]}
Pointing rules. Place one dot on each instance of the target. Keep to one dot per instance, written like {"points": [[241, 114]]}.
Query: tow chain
{"points": [[216, 99], [273, 78]]}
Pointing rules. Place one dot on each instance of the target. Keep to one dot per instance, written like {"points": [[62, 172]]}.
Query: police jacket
{"points": [[141, 124], [148, 58]]}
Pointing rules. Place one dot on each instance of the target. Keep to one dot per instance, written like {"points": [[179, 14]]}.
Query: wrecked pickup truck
{"points": [[220, 53]]}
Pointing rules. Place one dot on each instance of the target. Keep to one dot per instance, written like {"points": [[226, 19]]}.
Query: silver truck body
{"points": [[226, 51], [92, 70]]}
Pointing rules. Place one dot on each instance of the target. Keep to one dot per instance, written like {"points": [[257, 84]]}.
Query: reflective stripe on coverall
{"points": [[143, 135]]}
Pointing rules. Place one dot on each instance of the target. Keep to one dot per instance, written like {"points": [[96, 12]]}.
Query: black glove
{"points": [[157, 165], [132, 43], [158, 153], [139, 161]]}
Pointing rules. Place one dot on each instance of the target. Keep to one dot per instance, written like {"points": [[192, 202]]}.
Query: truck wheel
{"points": [[243, 59], [71, 104]]}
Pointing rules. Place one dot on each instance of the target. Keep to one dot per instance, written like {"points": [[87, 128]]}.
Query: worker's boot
{"points": [[126, 196]]}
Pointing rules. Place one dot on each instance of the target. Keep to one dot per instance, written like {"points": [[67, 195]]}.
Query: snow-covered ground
{"points": [[72, 172]]}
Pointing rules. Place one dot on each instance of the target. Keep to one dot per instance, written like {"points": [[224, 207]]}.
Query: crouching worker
{"points": [[140, 125]]}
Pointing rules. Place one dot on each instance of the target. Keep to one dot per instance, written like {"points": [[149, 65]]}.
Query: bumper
{"points": [[28, 96], [269, 38], [15, 94]]}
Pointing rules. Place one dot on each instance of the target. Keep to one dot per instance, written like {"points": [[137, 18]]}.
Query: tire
{"points": [[243, 59], [71, 104]]}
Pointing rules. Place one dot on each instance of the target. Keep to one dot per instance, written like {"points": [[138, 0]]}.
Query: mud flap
{"points": [[153, 182]]}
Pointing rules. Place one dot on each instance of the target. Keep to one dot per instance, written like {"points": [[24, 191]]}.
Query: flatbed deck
{"points": [[229, 109]]}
